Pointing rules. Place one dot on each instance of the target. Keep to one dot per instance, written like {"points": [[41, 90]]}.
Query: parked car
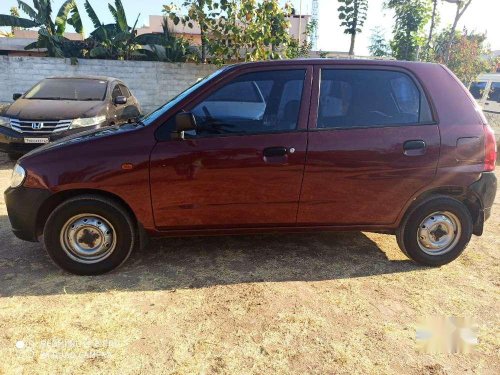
{"points": [[385, 146], [486, 90], [60, 106]]}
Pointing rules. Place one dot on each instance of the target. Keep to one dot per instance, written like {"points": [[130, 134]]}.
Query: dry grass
{"points": [[314, 303]]}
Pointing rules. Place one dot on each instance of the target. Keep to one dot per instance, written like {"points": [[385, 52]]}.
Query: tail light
{"points": [[490, 149]]}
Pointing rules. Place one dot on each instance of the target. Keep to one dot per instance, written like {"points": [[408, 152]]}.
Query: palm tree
{"points": [[50, 33]]}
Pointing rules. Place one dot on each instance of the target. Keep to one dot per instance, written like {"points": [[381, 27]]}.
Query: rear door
{"points": [[372, 144], [243, 165]]}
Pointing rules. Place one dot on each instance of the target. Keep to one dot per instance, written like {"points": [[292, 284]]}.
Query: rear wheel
{"points": [[436, 232], [89, 235]]}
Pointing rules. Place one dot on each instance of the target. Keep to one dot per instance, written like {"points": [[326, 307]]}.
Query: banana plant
{"points": [[50, 33], [165, 46], [116, 40]]}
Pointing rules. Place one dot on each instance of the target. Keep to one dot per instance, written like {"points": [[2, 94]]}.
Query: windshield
{"points": [[148, 119], [69, 89]]}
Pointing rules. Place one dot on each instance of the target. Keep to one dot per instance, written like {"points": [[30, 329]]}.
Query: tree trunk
{"points": [[353, 41], [431, 31], [458, 14], [203, 45]]}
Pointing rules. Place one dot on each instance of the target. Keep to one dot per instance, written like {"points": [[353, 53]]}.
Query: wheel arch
{"points": [[56, 199], [463, 195]]}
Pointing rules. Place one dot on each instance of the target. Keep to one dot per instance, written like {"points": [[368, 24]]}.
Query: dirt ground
{"points": [[331, 303]]}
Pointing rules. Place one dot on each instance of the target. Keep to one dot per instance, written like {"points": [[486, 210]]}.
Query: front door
{"points": [[243, 165], [372, 145]]}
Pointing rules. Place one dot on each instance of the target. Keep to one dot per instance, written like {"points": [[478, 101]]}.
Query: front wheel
{"points": [[436, 232], [89, 235]]}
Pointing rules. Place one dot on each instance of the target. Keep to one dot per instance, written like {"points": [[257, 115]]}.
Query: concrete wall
{"points": [[153, 83]]}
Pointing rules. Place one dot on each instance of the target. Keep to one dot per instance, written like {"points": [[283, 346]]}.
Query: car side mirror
{"points": [[184, 121], [119, 100], [16, 96]]}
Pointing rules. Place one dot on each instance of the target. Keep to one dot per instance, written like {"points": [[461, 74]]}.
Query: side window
{"points": [[477, 89], [366, 98], [406, 95], [238, 92], [253, 103], [116, 92], [125, 91]]}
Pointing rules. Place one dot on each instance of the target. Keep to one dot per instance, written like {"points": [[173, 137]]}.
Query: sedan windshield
{"points": [[69, 89]]}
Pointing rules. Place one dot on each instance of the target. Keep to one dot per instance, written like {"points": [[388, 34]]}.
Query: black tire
{"points": [[407, 232], [124, 234]]}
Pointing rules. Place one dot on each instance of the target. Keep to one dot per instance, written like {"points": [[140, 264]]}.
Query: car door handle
{"points": [[275, 151], [414, 148]]}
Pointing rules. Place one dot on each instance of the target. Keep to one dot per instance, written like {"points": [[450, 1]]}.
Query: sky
{"points": [[481, 16]]}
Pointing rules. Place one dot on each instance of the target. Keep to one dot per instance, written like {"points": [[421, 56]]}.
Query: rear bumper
{"points": [[23, 205], [485, 189]]}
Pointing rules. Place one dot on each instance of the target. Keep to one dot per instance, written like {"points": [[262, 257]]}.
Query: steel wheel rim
{"points": [[88, 238], [439, 232]]}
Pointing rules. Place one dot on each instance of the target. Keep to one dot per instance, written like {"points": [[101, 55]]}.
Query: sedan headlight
{"points": [[18, 176], [87, 121], [5, 121]]}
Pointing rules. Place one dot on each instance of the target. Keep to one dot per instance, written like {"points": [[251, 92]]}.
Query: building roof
{"points": [[15, 44]]}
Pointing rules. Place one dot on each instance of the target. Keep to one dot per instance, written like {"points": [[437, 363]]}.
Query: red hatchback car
{"points": [[385, 146]]}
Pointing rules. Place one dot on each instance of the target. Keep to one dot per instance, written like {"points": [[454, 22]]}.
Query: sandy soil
{"points": [[314, 303]]}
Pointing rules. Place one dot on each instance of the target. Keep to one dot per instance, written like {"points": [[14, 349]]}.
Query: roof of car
{"points": [[335, 61], [99, 78]]}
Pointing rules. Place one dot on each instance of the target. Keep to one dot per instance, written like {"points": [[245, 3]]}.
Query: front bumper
{"points": [[23, 207], [485, 190], [12, 142]]}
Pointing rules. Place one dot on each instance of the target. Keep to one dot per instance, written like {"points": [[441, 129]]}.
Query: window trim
{"points": [[314, 108], [230, 75]]}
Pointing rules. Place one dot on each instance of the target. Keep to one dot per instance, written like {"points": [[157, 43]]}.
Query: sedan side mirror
{"points": [[16, 96], [120, 100], [184, 121]]}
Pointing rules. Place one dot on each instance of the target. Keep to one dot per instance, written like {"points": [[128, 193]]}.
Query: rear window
{"points": [[367, 98], [69, 89]]}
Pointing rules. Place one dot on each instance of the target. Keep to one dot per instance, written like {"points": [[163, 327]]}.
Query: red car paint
{"points": [[335, 179]]}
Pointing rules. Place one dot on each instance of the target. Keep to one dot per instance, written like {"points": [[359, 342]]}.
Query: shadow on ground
{"points": [[200, 262]]}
